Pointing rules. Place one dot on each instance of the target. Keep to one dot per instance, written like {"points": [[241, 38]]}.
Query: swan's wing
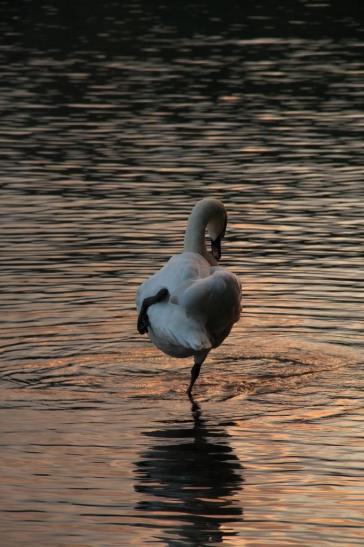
{"points": [[171, 329], [216, 299], [175, 332], [179, 272], [204, 303]]}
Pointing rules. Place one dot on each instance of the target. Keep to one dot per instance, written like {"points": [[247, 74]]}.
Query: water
{"points": [[115, 119]]}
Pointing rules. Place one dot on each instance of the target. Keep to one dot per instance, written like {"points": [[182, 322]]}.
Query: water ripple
{"points": [[115, 119]]}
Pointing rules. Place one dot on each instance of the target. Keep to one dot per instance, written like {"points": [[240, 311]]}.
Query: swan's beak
{"points": [[216, 248]]}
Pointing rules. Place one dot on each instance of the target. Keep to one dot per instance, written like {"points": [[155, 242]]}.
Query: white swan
{"points": [[190, 305]]}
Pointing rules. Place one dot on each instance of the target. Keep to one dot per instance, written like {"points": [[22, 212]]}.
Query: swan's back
{"points": [[180, 271], [203, 305]]}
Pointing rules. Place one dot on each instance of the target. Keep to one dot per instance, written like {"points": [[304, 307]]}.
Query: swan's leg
{"points": [[199, 359], [143, 321]]}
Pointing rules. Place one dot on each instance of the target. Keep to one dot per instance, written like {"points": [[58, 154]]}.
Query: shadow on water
{"points": [[190, 475]]}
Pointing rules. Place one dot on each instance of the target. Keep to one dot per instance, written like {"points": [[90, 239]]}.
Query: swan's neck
{"points": [[208, 213], [195, 235]]}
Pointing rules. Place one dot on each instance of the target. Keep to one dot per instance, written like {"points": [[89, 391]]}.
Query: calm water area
{"points": [[115, 118]]}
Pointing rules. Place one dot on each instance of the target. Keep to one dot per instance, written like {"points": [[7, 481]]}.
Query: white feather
{"points": [[204, 299]]}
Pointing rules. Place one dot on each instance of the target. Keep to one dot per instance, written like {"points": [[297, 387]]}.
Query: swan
{"points": [[189, 306]]}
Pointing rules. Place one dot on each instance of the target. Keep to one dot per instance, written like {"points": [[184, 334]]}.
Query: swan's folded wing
{"points": [[217, 298], [175, 332]]}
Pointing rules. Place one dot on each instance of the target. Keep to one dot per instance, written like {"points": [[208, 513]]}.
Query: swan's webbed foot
{"points": [[143, 319], [143, 323]]}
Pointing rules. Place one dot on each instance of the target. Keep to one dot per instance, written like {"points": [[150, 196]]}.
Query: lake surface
{"points": [[115, 120]]}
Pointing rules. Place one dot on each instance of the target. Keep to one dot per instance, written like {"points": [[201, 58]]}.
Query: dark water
{"points": [[114, 119]]}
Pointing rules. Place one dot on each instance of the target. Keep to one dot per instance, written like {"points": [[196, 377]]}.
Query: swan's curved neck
{"points": [[195, 234], [208, 213]]}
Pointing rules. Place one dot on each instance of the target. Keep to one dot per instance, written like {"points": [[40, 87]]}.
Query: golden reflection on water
{"points": [[218, 470], [108, 141]]}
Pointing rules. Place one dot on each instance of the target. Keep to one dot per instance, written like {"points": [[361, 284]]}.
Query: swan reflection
{"points": [[188, 477]]}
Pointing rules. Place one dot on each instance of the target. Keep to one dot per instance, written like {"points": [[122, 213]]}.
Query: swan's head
{"points": [[213, 215], [207, 214], [216, 230]]}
